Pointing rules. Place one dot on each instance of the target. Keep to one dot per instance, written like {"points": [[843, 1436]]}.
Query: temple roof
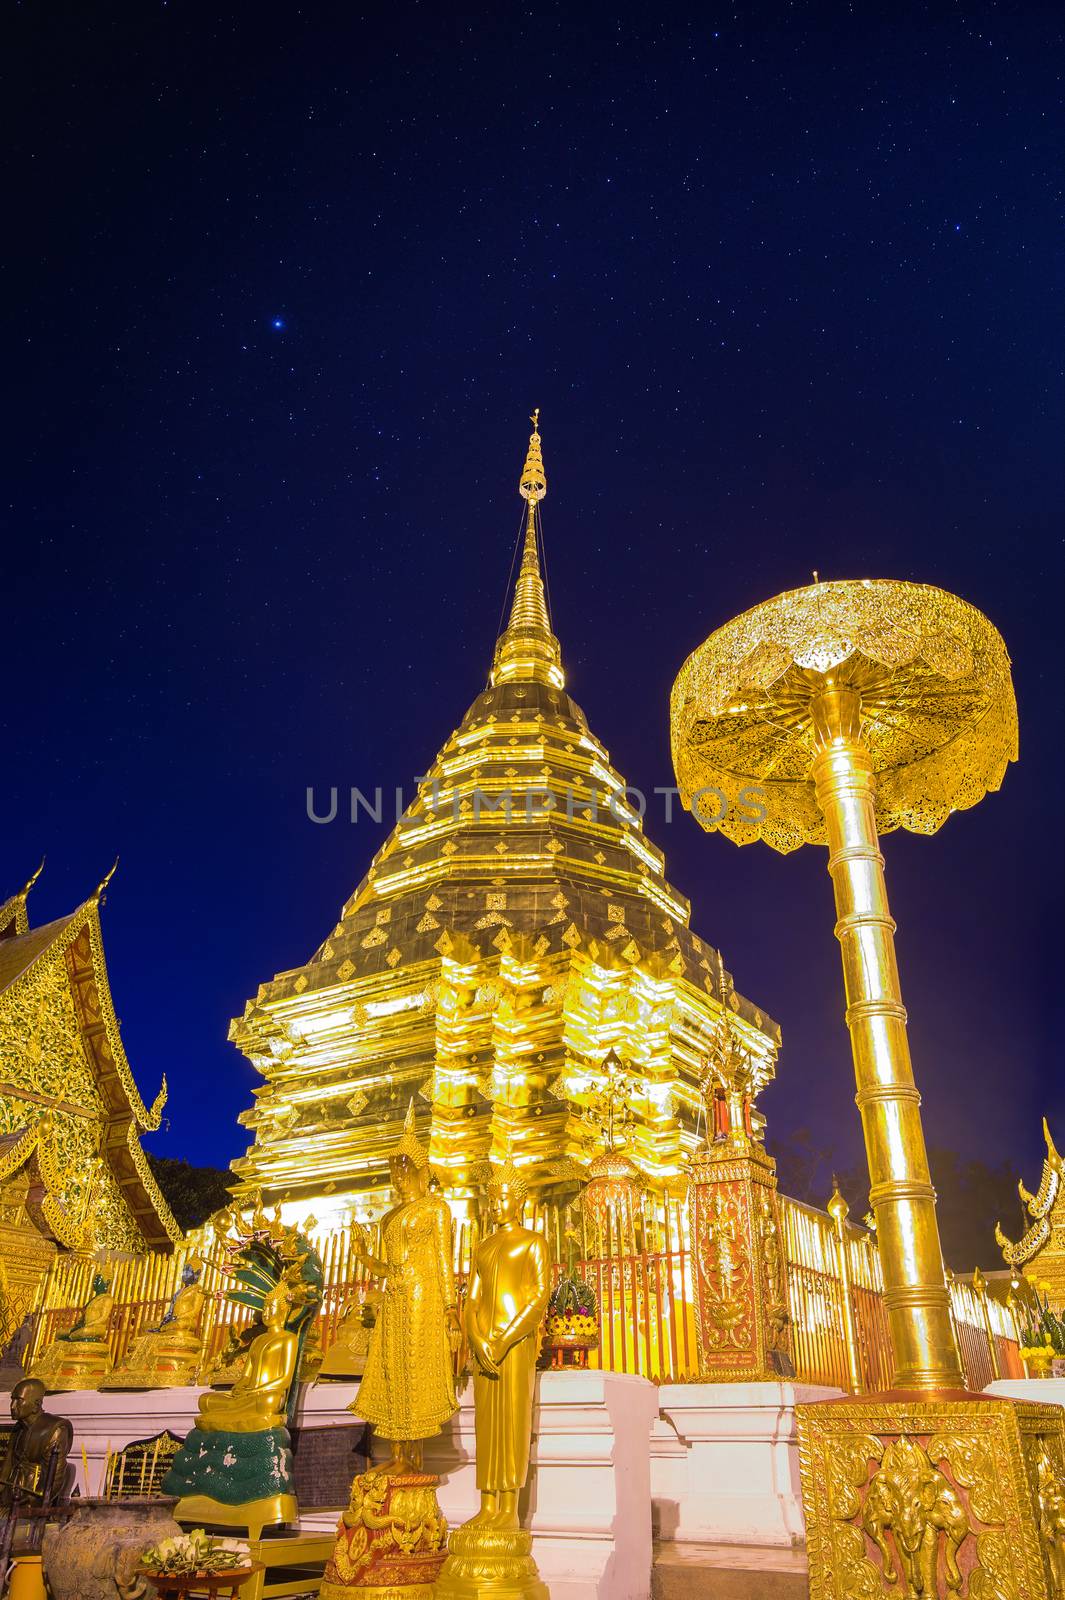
{"points": [[68, 1098]]}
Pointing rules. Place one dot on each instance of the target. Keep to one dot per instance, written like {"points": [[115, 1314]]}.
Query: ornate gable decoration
{"points": [[68, 1100]]}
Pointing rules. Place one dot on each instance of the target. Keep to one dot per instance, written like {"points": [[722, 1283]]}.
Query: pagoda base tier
{"points": [[725, 1463], [1045, 1391]]}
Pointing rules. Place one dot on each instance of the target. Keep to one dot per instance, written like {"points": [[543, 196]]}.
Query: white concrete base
{"points": [[1048, 1391], [109, 1419], [588, 1500], [738, 1479]]}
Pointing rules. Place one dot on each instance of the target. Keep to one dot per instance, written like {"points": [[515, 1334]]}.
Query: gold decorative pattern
{"points": [[939, 712], [906, 1499], [1040, 1252], [483, 898]]}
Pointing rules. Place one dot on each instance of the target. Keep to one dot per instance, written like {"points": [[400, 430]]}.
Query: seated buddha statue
{"points": [[80, 1358], [258, 1401], [346, 1356], [168, 1355]]}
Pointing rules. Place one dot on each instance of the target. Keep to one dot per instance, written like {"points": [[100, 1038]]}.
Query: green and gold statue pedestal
{"points": [[234, 1480], [907, 1496], [391, 1541], [490, 1563]]}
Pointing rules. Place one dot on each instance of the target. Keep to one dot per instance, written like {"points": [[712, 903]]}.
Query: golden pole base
{"points": [[921, 1496], [486, 1563]]}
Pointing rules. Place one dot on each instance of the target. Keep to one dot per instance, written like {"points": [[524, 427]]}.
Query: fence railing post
{"points": [[839, 1210], [980, 1289]]}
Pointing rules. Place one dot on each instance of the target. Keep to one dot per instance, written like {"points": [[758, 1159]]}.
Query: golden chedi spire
{"points": [[515, 926], [527, 650]]}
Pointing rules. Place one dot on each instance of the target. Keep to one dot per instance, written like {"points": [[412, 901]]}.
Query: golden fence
{"points": [[641, 1274]]}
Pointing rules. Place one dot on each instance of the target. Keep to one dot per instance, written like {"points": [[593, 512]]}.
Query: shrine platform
{"points": [[588, 1500], [708, 1471]]}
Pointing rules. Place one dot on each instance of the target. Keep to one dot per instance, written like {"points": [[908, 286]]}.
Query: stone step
{"points": [[728, 1572]]}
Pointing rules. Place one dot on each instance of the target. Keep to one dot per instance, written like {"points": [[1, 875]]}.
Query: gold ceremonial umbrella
{"points": [[824, 716]]}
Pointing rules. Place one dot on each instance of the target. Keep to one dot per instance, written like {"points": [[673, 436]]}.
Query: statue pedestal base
{"points": [[933, 1495], [237, 1480], [390, 1542], [272, 1511], [486, 1563], [79, 1365]]}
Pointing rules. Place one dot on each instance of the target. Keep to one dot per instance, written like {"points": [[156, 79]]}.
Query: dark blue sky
{"points": [[785, 282]]}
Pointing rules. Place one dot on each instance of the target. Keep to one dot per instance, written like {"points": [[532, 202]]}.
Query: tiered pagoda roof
{"points": [[515, 926]]}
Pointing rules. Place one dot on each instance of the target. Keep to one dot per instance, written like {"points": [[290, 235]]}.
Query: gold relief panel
{"points": [[738, 1271], [909, 1499], [40, 1042]]}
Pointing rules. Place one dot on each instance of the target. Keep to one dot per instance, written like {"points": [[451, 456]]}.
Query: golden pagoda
{"points": [[515, 927], [72, 1171]]}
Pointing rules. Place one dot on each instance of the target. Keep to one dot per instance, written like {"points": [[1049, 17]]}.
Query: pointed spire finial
{"points": [[527, 650], [533, 485], [101, 888], [24, 891]]}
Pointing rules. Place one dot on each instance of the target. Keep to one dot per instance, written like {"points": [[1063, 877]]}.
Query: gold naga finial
{"points": [[24, 891], [100, 891], [1055, 1159], [155, 1110]]}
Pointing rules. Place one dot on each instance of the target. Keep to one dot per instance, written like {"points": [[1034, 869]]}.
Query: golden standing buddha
{"points": [[505, 1307], [408, 1387]]}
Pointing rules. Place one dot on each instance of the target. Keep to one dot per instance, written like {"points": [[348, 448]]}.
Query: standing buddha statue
{"points": [[505, 1307], [408, 1387], [392, 1538]]}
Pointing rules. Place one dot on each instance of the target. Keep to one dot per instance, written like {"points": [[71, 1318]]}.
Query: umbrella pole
{"points": [[901, 1194]]}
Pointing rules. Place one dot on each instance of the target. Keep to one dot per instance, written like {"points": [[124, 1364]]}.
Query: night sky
{"points": [[282, 287]]}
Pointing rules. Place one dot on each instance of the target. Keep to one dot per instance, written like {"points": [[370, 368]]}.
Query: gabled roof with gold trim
{"points": [[68, 1099]]}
